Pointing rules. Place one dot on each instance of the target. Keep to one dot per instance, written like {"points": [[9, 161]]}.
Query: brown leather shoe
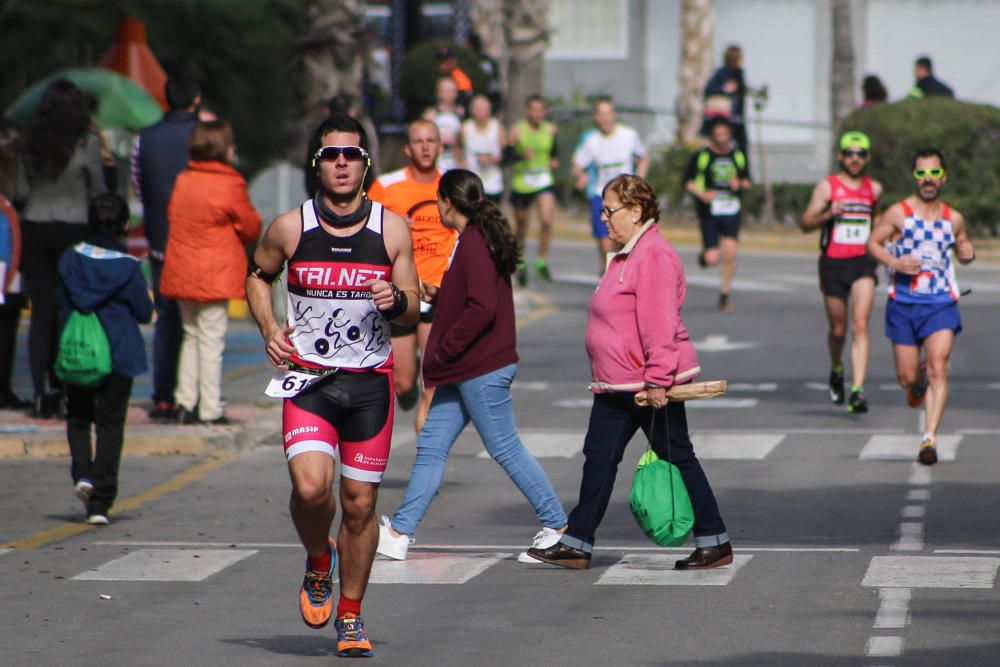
{"points": [[562, 555], [705, 558]]}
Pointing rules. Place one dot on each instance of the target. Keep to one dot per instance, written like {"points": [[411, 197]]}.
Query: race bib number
{"points": [[536, 180], [725, 204], [288, 383], [848, 233]]}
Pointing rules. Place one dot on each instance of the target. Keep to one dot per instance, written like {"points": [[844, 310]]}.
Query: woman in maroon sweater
{"points": [[471, 358]]}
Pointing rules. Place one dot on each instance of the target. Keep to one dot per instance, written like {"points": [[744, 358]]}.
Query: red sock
{"points": [[347, 605], [320, 563]]}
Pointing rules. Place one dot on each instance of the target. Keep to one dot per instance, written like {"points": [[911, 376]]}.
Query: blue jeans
{"points": [[614, 419], [485, 400], [167, 337]]}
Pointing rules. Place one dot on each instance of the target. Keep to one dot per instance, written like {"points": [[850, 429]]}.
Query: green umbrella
{"points": [[120, 101]]}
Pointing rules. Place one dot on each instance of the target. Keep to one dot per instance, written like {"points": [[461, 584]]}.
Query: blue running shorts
{"points": [[912, 323], [597, 226]]}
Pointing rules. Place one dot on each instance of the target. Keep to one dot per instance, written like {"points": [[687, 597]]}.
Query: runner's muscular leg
{"points": [[937, 349], [358, 535], [862, 296], [404, 369], [836, 315], [312, 503], [546, 209], [728, 246], [423, 333], [907, 364], [521, 218]]}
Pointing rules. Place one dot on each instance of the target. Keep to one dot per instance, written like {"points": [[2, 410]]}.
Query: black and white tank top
{"points": [[336, 322]]}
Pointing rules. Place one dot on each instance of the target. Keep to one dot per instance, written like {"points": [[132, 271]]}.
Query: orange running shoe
{"points": [[928, 452], [352, 641], [316, 594]]}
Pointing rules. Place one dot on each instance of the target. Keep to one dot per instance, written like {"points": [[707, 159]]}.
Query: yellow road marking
{"points": [[534, 316], [176, 483]]}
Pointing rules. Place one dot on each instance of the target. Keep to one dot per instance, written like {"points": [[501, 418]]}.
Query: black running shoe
{"points": [[928, 452], [725, 305], [857, 403], [522, 274], [837, 387]]}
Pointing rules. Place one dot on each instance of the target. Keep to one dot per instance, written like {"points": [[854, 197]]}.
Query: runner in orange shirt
{"points": [[412, 193]]}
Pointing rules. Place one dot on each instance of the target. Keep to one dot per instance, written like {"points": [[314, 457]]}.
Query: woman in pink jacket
{"points": [[637, 341]]}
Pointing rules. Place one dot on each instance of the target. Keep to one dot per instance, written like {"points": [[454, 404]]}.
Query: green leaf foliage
{"points": [[967, 134]]}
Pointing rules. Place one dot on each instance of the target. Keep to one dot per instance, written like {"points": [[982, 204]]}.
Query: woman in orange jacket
{"points": [[211, 219]]}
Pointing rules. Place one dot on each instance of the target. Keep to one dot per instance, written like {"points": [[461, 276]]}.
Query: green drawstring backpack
{"points": [[659, 499], [84, 356]]}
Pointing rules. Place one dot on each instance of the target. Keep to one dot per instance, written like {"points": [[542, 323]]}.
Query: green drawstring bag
{"points": [[84, 356], [659, 499]]}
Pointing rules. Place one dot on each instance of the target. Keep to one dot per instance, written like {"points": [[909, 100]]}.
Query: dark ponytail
{"points": [[465, 192]]}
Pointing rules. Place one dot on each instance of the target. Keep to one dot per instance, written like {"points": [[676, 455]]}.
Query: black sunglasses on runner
{"points": [[350, 153], [856, 153]]}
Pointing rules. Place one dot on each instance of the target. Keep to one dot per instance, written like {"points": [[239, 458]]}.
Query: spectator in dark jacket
{"points": [[927, 85], [161, 153], [728, 82], [472, 360], [99, 276], [58, 174]]}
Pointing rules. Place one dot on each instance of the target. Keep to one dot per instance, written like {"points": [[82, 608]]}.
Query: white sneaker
{"points": [[389, 545], [83, 489], [544, 539], [98, 520]]}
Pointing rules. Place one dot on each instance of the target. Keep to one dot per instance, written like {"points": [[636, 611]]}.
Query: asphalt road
{"points": [[846, 552]]}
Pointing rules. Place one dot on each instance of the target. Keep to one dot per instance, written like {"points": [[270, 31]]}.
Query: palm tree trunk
{"points": [[527, 33], [698, 29], [842, 79]]}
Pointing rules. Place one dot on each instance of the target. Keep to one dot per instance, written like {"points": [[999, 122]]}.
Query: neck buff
{"points": [[335, 220]]}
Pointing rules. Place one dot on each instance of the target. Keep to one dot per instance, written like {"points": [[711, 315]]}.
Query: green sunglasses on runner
{"points": [[936, 172]]}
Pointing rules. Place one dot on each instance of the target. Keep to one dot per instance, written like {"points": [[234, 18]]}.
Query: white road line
{"points": [[884, 647], [914, 512], [433, 568], [735, 446], [904, 448], [658, 570], [166, 565], [973, 552], [461, 547], [817, 386], [4, 551], [920, 475], [918, 494], [894, 609], [573, 403], [531, 386], [720, 403], [752, 386], [978, 431], [739, 285], [548, 445], [911, 537], [931, 572], [807, 431]]}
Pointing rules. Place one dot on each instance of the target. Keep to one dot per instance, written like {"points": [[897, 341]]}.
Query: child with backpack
{"points": [[99, 277]]}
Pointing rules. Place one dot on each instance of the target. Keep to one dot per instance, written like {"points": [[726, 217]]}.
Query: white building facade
{"points": [[630, 49]]}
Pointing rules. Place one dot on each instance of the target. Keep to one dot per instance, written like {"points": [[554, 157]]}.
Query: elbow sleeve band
{"points": [[254, 271]]}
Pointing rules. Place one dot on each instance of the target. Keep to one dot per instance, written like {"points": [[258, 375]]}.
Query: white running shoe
{"points": [[389, 545], [98, 520], [83, 489], [544, 539]]}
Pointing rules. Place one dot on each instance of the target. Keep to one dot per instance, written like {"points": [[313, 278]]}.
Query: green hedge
{"points": [[967, 134], [420, 74]]}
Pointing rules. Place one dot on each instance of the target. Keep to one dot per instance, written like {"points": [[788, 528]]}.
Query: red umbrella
{"points": [[131, 56]]}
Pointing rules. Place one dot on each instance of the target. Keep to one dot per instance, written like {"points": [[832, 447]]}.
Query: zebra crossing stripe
{"points": [[425, 568], [4, 551], [734, 446], [549, 444], [658, 570], [166, 565], [931, 572], [904, 448]]}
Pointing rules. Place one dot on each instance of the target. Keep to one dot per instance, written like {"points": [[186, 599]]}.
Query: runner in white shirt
{"points": [[604, 152], [447, 115], [483, 140]]}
